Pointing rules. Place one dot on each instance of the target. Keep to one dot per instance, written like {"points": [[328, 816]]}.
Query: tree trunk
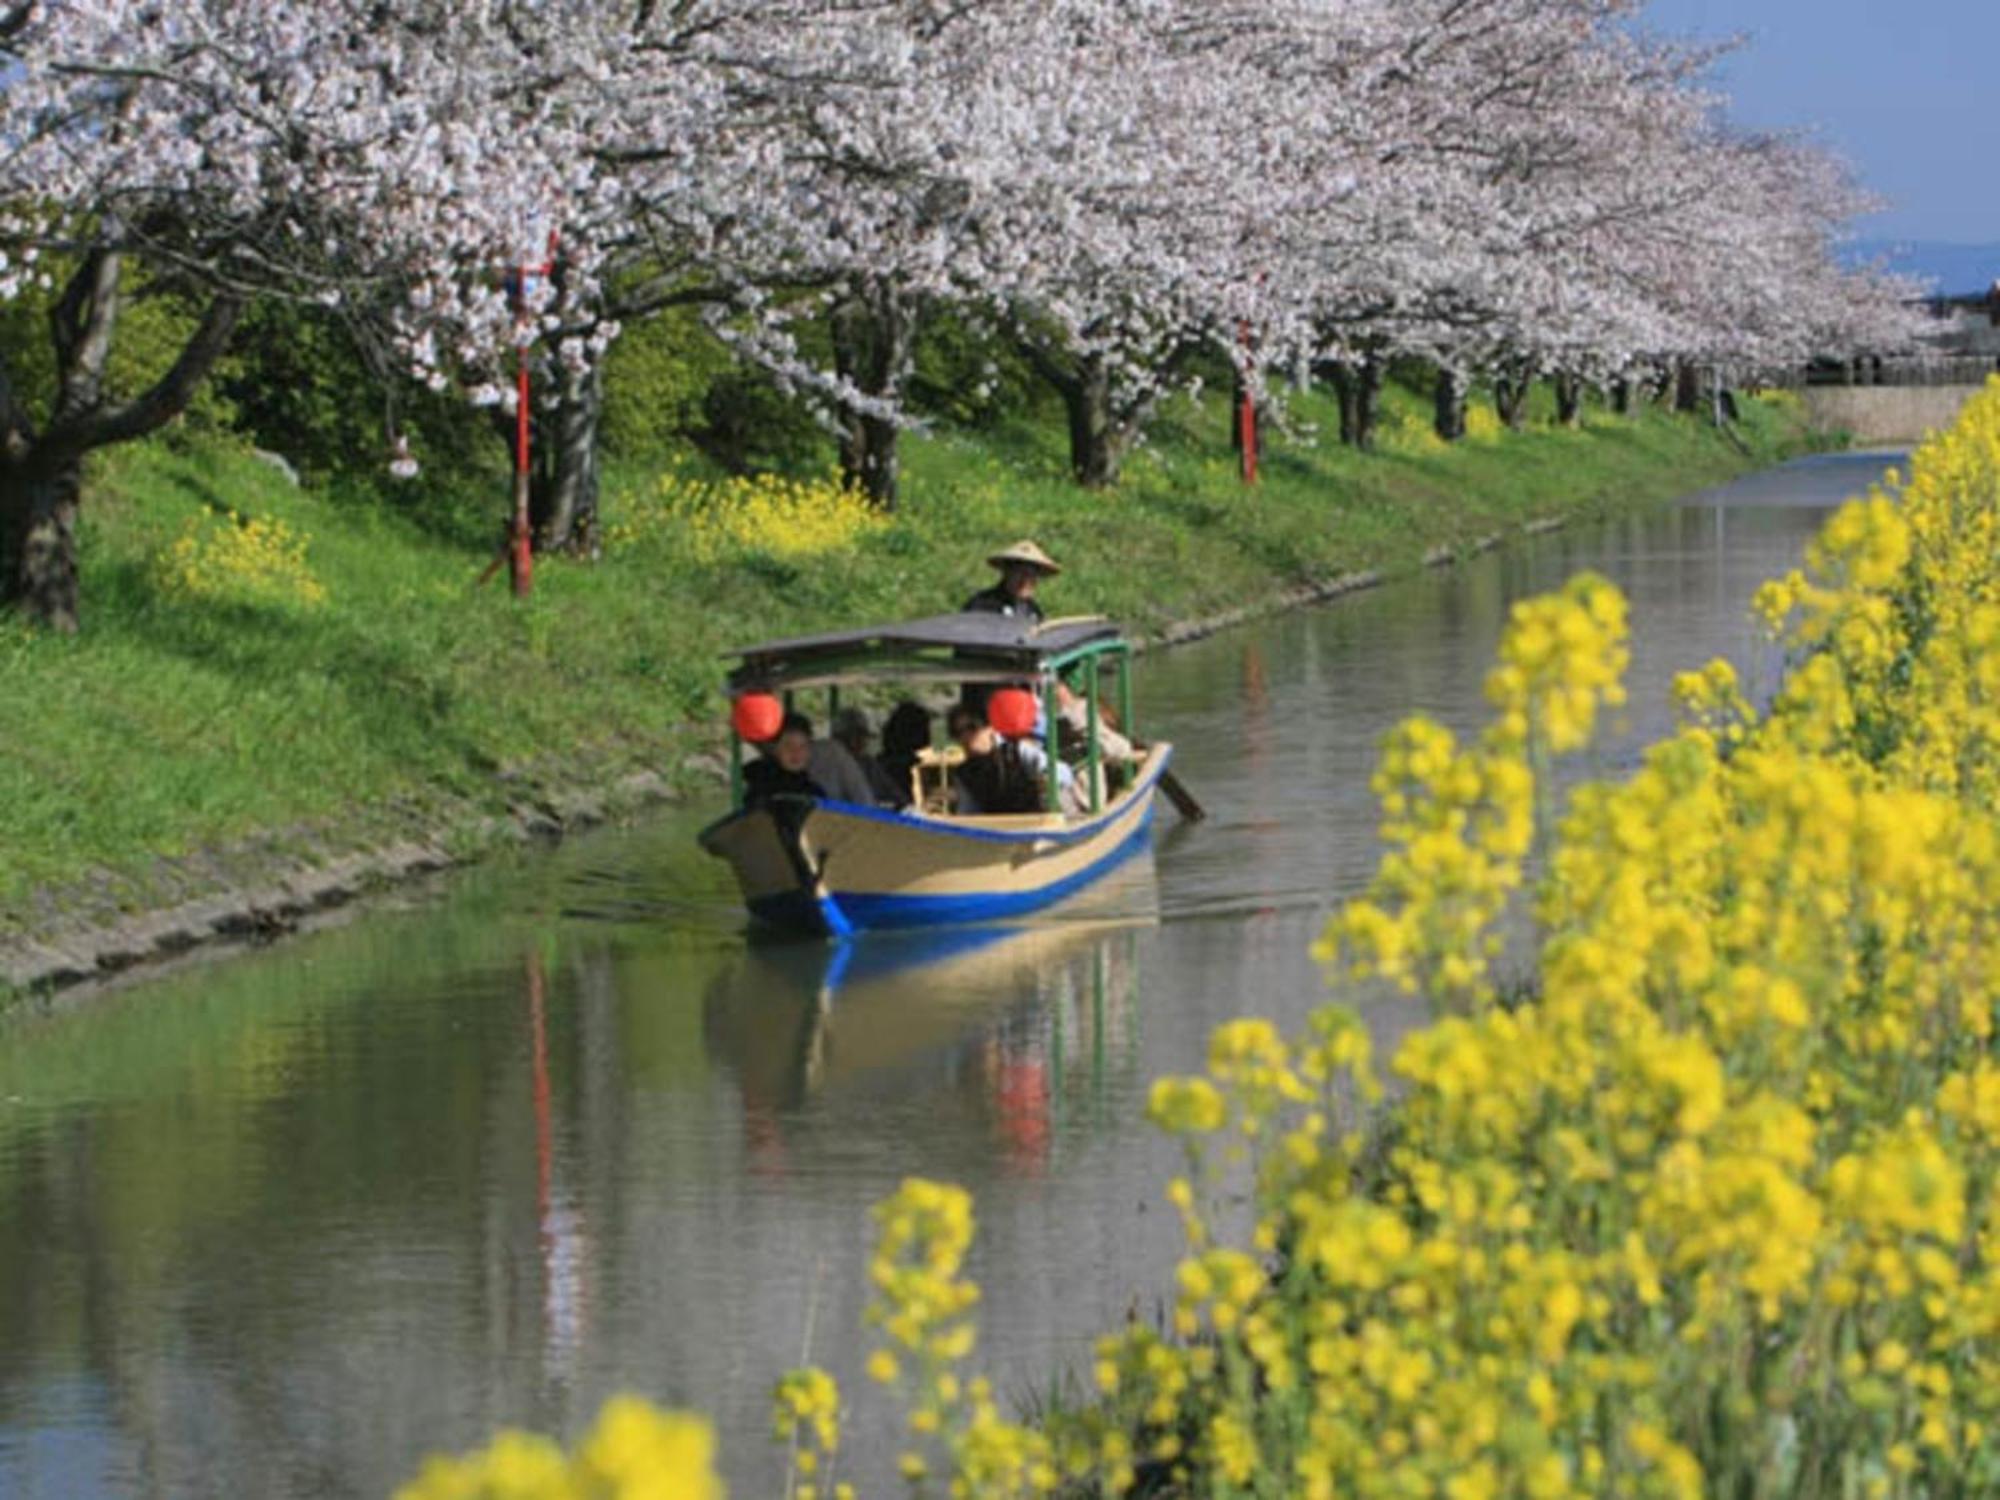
{"points": [[1569, 400], [1621, 396], [1106, 416], [1358, 386], [1510, 399], [38, 559], [1343, 377], [41, 472], [1367, 402], [1687, 387], [1096, 439], [869, 461], [873, 341], [566, 507], [1448, 419]]}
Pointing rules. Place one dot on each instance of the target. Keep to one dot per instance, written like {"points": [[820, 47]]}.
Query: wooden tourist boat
{"points": [[823, 865]]}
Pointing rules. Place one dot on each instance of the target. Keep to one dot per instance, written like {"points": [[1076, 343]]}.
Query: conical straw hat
{"points": [[1027, 553]]}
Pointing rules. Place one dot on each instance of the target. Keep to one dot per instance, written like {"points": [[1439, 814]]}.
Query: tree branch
{"points": [[169, 395]]}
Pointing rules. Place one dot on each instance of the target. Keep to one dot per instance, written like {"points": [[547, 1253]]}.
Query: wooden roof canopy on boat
{"points": [[963, 647]]}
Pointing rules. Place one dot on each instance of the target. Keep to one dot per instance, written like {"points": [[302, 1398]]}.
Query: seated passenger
{"points": [[906, 733], [1001, 775], [784, 767], [1117, 757], [1074, 711], [832, 767], [994, 777], [852, 731]]}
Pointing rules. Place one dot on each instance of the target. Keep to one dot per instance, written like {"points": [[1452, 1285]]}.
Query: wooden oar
{"points": [[1181, 797], [1172, 785]]}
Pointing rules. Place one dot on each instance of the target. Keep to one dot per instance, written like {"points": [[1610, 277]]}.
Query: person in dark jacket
{"points": [[905, 733], [783, 770], [997, 775], [1022, 568]]}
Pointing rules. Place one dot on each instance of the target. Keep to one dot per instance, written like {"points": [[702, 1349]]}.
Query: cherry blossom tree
{"points": [[1509, 188], [1531, 188], [1162, 226], [302, 148], [1508, 133], [1515, 188], [673, 112], [852, 163]]}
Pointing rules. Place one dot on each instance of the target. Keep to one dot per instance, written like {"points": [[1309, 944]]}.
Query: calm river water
{"points": [[281, 1224]]}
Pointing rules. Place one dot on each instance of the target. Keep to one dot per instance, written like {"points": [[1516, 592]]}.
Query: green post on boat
{"points": [[1050, 700], [1094, 756], [1125, 692]]}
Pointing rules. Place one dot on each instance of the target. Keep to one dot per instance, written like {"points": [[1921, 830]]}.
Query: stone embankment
{"points": [[1880, 415], [268, 887]]}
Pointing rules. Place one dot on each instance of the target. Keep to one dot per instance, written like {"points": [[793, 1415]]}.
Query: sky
{"points": [[1908, 91]]}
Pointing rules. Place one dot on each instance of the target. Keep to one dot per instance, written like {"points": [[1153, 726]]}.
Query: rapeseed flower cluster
{"points": [[236, 559], [635, 1452], [1711, 1206], [923, 1308], [1459, 820], [715, 521], [805, 1413], [1410, 434], [1715, 1207], [1777, 398], [1483, 424]]}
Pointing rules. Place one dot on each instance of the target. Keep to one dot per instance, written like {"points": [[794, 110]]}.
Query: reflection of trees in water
{"points": [[290, 1273], [335, 1216], [562, 1229]]}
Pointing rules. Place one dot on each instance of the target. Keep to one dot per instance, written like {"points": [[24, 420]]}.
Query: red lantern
{"points": [[1011, 712], [758, 717]]}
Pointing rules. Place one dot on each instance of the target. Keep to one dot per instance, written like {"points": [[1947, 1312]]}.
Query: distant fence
{"points": [[1885, 413], [1928, 369]]}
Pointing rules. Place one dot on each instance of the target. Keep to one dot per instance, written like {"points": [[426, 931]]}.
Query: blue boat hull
{"points": [[832, 867]]}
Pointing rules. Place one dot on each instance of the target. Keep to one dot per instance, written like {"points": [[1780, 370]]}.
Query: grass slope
{"points": [[193, 714]]}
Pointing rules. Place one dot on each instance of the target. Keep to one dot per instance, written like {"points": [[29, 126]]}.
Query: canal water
{"points": [[281, 1224]]}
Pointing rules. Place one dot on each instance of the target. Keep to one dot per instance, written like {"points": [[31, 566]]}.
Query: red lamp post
{"points": [[1246, 410], [520, 537]]}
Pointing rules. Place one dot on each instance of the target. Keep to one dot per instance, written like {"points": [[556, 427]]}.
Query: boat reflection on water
{"points": [[1026, 1024]]}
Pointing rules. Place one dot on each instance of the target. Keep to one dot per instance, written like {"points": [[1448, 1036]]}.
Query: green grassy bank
{"points": [[329, 675]]}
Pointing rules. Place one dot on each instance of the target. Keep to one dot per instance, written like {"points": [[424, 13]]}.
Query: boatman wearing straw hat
{"points": [[1022, 566]]}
